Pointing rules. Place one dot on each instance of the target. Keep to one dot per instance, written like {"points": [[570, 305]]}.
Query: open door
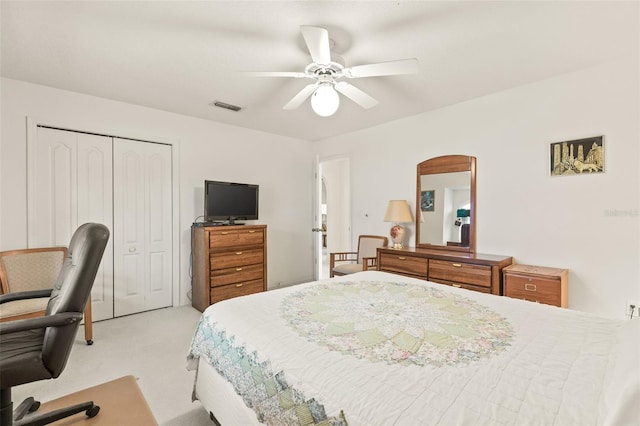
{"points": [[332, 206]]}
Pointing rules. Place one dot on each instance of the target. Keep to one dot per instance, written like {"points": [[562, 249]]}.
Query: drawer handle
{"points": [[252, 232], [530, 287], [224, 233], [457, 285], [239, 285], [457, 265], [402, 258], [238, 269], [238, 252]]}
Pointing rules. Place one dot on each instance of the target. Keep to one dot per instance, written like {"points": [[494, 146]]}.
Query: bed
{"points": [[374, 348]]}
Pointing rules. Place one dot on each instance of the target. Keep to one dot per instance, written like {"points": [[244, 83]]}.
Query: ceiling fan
{"points": [[328, 75]]}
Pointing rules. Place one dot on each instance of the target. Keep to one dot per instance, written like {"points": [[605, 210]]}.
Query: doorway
{"points": [[333, 214]]}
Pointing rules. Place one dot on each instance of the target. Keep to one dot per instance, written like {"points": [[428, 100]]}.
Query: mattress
{"points": [[374, 348]]}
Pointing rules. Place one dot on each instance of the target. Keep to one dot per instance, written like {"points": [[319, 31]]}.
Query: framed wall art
{"points": [[575, 157], [427, 200]]}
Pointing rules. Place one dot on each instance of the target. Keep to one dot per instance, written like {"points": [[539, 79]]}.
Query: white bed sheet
{"points": [[555, 370]]}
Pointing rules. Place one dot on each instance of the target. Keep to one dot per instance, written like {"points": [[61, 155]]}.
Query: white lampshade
{"points": [[398, 211], [325, 100]]}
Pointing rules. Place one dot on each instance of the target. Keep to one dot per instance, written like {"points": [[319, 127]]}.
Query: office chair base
{"points": [[27, 406], [40, 419]]}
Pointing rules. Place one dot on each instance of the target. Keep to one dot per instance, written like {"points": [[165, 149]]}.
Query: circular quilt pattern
{"points": [[396, 322]]}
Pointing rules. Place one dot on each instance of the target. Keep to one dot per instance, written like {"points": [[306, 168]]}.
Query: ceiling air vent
{"points": [[225, 106]]}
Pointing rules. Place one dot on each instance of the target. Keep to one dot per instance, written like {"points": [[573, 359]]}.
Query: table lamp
{"points": [[398, 211]]}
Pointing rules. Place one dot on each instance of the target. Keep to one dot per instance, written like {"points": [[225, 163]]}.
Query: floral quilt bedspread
{"points": [[396, 322], [377, 348], [267, 392]]}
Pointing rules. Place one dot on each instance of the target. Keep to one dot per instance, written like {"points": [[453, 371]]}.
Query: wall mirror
{"points": [[445, 203]]}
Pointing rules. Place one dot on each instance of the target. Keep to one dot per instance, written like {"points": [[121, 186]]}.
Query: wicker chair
{"points": [[33, 270]]}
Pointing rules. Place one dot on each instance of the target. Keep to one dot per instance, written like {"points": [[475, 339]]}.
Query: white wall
{"points": [[521, 211], [283, 167]]}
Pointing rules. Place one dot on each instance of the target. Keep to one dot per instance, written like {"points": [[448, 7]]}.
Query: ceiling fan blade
{"points": [[355, 94], [317, 40], [274, 74], [404, 66], [302, 95]]}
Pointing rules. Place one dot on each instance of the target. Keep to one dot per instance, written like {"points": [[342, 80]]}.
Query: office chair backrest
{"points": [[72, 290]]}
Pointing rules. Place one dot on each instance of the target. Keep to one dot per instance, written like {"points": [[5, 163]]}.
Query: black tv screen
{"points": [[228, 201]]}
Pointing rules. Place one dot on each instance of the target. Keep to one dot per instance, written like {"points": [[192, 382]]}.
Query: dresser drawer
{"points": [[224, 238], [236, 290], [534, 289], [403, 264], [460, 273], [481, 289], [231, 259], [236, 275]]}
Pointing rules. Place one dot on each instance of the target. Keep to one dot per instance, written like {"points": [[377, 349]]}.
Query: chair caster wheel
{"points": [[89, 342], [93, 411], [34, 406]]}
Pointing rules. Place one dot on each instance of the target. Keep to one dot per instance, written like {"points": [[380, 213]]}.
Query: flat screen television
{"points": [[227, 201]]}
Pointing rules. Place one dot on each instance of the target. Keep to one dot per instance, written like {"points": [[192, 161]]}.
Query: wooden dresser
{"points": [[537, 284], [228, 261], [473, 271]]}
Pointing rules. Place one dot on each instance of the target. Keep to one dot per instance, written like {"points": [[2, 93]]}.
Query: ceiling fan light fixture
{"points": [[325, 100]]}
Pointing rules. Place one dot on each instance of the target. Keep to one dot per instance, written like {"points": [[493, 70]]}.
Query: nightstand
{"points": [[537, 284]]}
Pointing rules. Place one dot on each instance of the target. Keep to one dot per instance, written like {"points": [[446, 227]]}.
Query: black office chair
{"points": [[38, 348]]}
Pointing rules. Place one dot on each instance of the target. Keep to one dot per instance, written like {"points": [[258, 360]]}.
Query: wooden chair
{"points": [[363, 259], [33, 270]]}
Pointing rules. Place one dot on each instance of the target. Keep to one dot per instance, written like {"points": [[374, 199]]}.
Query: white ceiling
{"points": [[180, 56]]}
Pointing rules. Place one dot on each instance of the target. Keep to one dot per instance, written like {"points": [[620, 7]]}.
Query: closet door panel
{"points": [[52, 188], [69, 183], [158, 218], [128, 224], [95, 204], [142, 223]]}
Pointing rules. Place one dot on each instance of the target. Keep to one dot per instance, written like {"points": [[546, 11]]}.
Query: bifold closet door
{"points": [[142, 226], [70, 183]]}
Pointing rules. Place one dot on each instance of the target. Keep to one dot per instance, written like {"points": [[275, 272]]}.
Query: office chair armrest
{"points": [[23, 295], [56, 320]]}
